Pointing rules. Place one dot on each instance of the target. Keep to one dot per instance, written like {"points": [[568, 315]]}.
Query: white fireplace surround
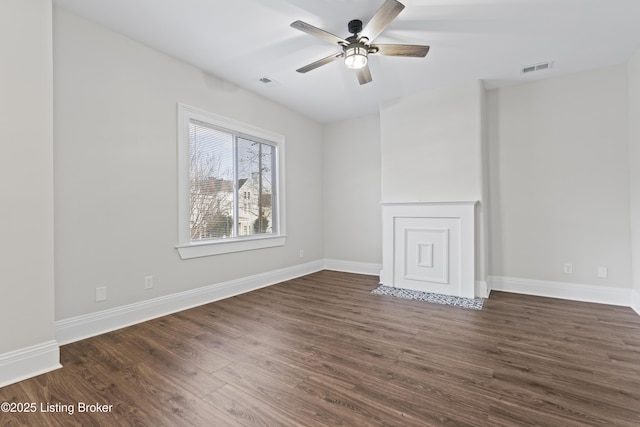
{"points": [[429, 246]]}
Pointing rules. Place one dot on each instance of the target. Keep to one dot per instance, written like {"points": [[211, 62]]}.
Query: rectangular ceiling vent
{"points": [[268, 82], [537, 67]]}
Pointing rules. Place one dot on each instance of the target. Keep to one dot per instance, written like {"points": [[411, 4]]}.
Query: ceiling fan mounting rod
{"points": [[355, 27]]}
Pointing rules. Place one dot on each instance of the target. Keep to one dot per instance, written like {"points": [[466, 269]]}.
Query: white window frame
{"points": [[194, 249]]}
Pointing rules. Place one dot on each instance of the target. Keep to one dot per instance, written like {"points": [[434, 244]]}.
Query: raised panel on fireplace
{"points": [[427, 254], [414, 252]]}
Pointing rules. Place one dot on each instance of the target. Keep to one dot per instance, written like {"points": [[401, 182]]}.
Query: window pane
{"points": [[256, 174], [211, 182]]}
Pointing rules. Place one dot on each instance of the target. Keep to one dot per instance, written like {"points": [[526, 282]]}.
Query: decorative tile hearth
{"points": [[470, 303]]}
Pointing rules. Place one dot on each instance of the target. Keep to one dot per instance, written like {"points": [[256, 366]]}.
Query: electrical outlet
{"points": [[603, 272], [301, 253], [568, 268], [101, 293], [148, 282]]}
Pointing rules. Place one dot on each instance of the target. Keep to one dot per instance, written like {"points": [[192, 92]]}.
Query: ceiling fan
{"points": [[357, 47]]}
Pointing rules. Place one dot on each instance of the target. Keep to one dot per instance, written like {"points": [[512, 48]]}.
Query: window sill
{"points": [[210, 248]]}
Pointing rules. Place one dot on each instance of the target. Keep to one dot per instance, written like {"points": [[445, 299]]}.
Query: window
{"points": [[230, 185]]}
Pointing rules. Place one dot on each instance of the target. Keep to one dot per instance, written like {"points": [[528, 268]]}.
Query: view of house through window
{"points": [[231, 184]]}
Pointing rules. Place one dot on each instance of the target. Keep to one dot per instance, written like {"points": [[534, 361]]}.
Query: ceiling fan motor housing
{"points": [[355, 26]]}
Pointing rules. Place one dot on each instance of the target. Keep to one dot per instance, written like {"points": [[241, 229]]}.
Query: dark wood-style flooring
{"points": [[321, 350]]}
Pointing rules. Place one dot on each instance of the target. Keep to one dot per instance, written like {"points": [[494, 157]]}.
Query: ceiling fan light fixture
{"points": [[355, 56], [358, 46]]}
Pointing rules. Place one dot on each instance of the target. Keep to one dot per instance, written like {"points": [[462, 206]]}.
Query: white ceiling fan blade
{"points": [[320, 62], [383, 17], [317, 32], [364, 75]]}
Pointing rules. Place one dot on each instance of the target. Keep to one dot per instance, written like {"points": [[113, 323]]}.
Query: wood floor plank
{"points": [[280, 394], [244, 410], [321, 350]]}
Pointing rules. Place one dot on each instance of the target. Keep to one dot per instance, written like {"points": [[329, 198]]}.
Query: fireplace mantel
{"points": [[429, 246]]}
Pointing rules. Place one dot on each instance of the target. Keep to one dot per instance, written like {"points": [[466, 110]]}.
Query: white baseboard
{"points": [[562, 290], [635, 301], [482, 289], [85, 326], [28, 362], [353, 267]]}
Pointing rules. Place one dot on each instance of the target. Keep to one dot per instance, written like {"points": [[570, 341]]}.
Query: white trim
{"points": [[202, 249], [419, 203], [562, 290], [85, 326], [355, 267], [46, 357], [482, 289], [635, 300], [188, 249], [28, 362]]}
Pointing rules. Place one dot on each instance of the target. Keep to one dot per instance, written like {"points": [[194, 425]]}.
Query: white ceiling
{"points": [[243, 40]]}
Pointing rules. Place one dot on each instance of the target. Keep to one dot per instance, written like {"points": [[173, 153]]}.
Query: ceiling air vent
{"points": [[537, 67], [268, 82]]}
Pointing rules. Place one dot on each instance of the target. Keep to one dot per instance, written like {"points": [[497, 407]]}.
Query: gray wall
{"points": [[352, 212], [26, 172], [115, 171], [431, 145], [633, 73], [560, 178]]}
